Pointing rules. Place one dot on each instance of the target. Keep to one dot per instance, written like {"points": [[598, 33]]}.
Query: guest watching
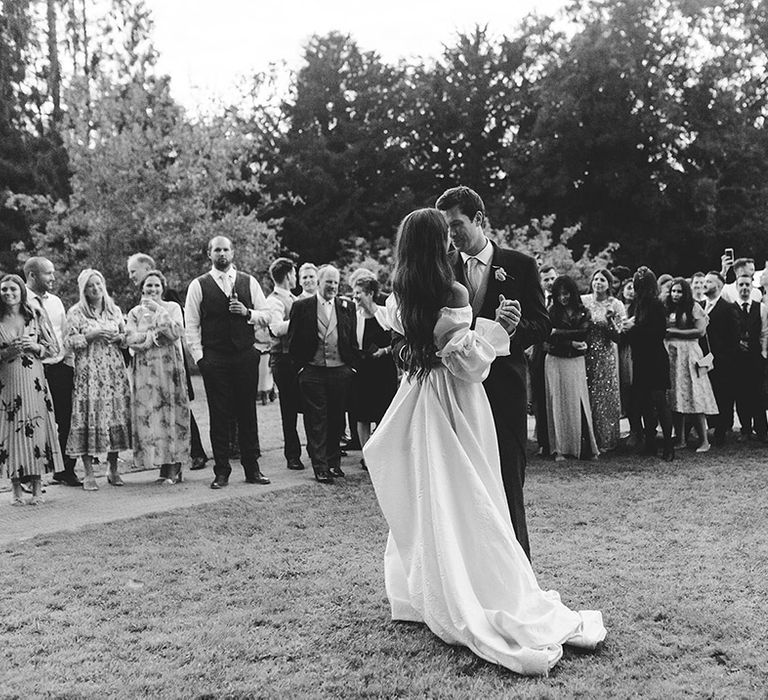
{"points": [[375, 383], [690, 394], [606, 315], [59, 372], [280, 301], [697, 289], [222, 308], [160, 414], [547, 277], [568, 411], [628, 404], [27, 427], [742, 267], [101, 400], [646, 331], [307, 280]]}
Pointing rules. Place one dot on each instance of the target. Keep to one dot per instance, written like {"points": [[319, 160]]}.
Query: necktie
{"points": [[473, 276], [226, 285], [745, 306]]}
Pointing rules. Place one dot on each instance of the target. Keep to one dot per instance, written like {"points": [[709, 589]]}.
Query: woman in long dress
{"points": [[29, 443], [160, 407], [691, 393], [452, 559], [606, 314], [101, 398], [569, 414]]}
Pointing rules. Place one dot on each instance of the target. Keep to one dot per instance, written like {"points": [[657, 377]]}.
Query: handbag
{"points": [[707, 362]]}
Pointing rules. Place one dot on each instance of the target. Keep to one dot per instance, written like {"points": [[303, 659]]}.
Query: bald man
{"points": [[222, 310]]}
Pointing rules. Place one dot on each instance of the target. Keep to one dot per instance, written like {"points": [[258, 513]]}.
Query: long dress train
{"points": [[452, 559]]}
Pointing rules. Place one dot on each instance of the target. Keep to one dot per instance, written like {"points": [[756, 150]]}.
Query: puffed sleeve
{"points": [[74, 338], [467, 353]]}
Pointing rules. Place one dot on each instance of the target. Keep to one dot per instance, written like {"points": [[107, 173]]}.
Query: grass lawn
{"points": [[281, 594]]}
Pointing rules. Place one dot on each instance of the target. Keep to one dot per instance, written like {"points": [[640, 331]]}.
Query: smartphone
{"points": [[729, 254]]}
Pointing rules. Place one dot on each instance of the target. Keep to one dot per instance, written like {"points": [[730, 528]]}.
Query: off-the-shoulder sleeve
{"points": [[393, 315], [467, 353]]}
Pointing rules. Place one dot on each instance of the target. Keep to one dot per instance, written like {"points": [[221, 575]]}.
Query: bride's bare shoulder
{"points": [[458, 297]]}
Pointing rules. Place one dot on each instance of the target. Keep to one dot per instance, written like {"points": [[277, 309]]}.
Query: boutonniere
{"points": [[500, 273]]}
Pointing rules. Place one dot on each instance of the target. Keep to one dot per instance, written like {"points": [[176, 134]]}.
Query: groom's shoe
{"points": [[336, 471], [323, 476]]}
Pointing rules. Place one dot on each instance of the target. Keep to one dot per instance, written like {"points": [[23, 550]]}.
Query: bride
{"points": [[452, 559]]}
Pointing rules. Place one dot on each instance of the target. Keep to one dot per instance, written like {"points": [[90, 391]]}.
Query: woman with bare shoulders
{"points": [[452, 559]]}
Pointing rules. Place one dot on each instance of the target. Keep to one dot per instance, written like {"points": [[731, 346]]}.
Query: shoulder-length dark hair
{"points": [[575, 306], [421, 282], [646, 293], [683, 309], [607, 276], [24, 308]]}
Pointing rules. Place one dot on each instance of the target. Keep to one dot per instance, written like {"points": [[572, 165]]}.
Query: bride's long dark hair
{"points": [[421, 283]]}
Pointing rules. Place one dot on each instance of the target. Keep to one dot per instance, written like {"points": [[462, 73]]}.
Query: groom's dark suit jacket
{"points": [[516, 276]]}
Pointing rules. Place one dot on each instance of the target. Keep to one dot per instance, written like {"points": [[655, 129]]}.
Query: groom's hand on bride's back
{"points": [[508, 314]]}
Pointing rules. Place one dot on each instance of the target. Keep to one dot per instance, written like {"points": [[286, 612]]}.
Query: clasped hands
{"points": [[24, 344], [508, 314], [101, 333]]}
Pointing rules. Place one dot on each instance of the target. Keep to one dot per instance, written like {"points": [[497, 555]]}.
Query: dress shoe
{"points": [[198, 463], [324, 477], [295, 464], [336, 471], [66, 479], [256, 478], [219, 482]]}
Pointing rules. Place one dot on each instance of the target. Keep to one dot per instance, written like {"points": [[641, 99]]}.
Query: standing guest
{"points": [[323, 346], [690, 394], [606, 314], [280, 301], [28, 439], [620, 275], [664, 283], [307, 280], [646, 330], [222, 308], [503, 285], [139, 264], [568, 409], [547, 277], [101, 400], [723, 336], [628, 408], [697, 289], [375, 383], [750, 367], [742, 267], [59, 371], [160, 401]]}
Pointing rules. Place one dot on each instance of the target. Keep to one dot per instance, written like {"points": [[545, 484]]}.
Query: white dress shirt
{"points": [[731, 293], [260, 315], [57, 315], [324, 308], [477, 272], [277, 326]]}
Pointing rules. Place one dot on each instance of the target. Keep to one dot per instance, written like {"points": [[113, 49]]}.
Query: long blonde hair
{"points": [[110, 308]]}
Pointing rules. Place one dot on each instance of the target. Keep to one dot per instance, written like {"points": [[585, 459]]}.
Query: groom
{"points": [[503, 285]]}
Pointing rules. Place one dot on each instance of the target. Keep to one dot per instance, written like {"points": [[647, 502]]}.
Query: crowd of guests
{"points": [[92, 381], [671, 352]]}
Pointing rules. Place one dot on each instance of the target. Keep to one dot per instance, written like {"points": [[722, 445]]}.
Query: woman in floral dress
{"points": [[29, 443], [101, 399], [160, 400], [602, 359]]}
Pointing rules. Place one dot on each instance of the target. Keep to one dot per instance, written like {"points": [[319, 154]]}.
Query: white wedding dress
{"points": [[452, 560]]}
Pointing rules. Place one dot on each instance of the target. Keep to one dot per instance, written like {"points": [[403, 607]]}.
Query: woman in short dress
{"points": [[29, 443], [160, 408], [691, 393], [101, 398], [569, 416], [606, 314]]}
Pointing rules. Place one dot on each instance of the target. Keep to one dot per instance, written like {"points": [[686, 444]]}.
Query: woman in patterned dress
{"points": [[29, 444], [101, 399], [691, 392], [602, 359], [160, 400]]}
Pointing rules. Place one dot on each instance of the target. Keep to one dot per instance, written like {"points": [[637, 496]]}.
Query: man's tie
{"points": [[226, 285], [473, 276], [745, 306]]}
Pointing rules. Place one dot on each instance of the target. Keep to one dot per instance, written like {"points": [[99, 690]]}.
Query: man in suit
{"points": [[139, 264], [221, 310], [723, 338], [281, 300], [547, 277], [322, 342], [503, 285], [750, 367]]}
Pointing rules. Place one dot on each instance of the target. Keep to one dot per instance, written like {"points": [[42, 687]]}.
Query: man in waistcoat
{"points": [[322, 342], [221, 310], [281, 301], [139, 264]]}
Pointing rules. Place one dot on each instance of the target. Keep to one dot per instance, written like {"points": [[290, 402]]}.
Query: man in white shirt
{"points": [[307, 280], [221, 310], [741, 268], [59, 370]]}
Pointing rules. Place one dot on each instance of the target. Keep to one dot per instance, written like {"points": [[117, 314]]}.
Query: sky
{"points": [[207, 45]]}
